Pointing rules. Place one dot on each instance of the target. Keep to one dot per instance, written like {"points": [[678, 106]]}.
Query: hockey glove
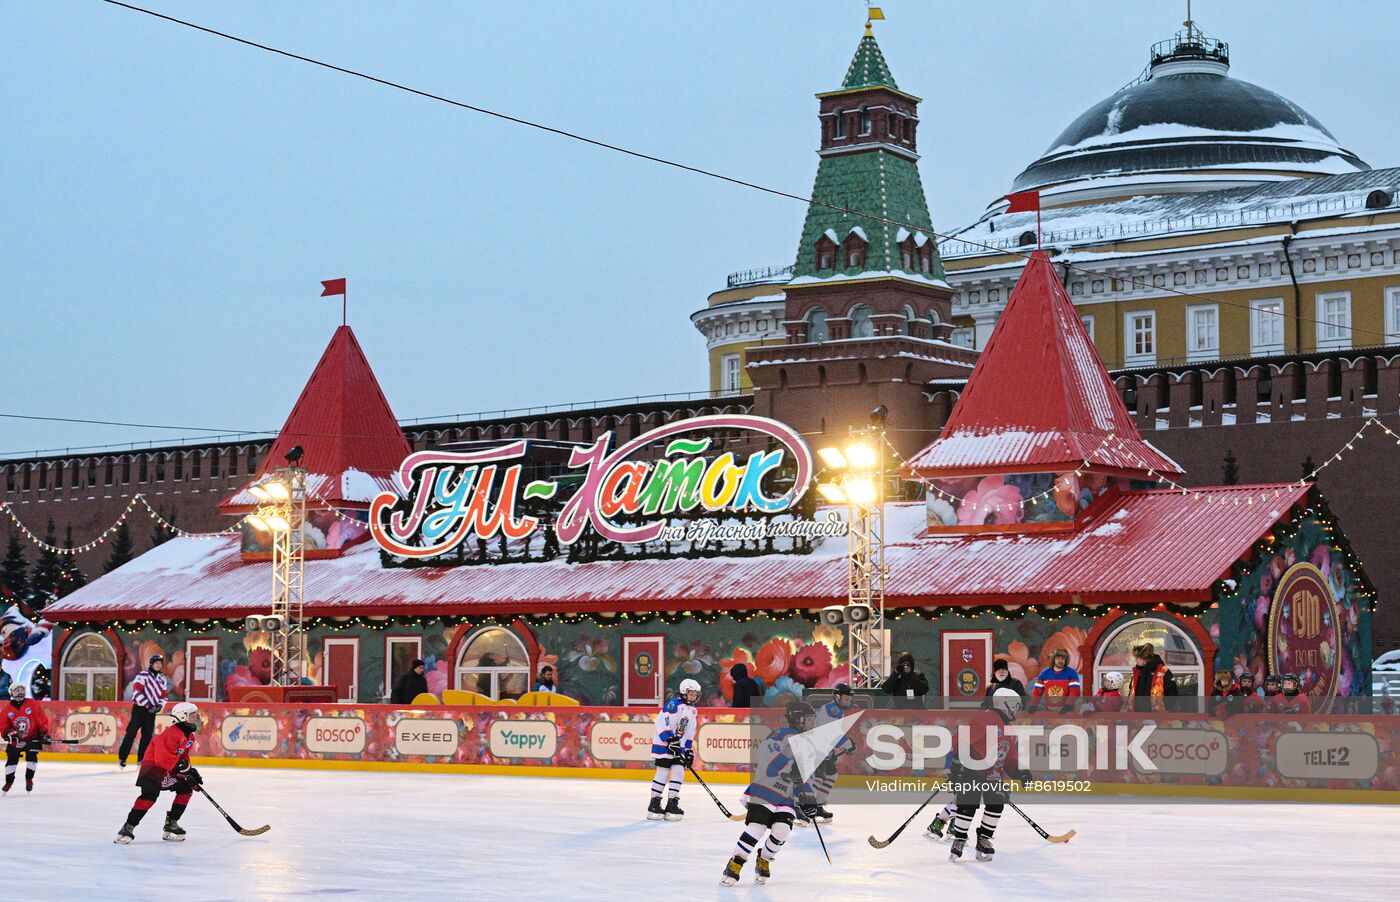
{"points": [[828, 767], [193, 778], [688, 757], [674, 747], [807, 806]]}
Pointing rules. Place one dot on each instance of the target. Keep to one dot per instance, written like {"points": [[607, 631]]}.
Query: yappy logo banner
{"points": [[450, 496]]}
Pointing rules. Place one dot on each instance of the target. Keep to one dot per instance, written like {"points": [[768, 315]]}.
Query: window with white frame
{"points": [[1392, 316], [1202, 331], [1266, 326], [964, 338], [399, 654], [729, 373], [1140, 331], [1334, 320], [1088, 321], [89, 670], [494, 662]]}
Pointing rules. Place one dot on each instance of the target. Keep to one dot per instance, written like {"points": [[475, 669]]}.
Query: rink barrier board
{"points": [[615, 743]]}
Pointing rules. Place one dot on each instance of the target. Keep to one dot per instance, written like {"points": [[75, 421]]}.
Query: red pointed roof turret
{"points": [[350, 440], [1039, 399]]}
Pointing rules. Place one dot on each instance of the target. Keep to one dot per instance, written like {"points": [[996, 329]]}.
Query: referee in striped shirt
{"points": [[148, 694]]}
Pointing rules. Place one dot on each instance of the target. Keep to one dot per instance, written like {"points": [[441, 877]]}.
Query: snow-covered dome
{"points": [[1184, 126]]}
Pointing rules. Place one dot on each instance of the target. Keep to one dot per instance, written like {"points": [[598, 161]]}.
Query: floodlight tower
{"points": [[282, 512], [858, 481]]}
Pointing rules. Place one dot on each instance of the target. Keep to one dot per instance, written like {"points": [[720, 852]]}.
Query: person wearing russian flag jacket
{"points": [[1056, 685]]}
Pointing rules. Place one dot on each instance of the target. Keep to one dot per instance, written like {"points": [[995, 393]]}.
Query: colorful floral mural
{"points": [[1016, 498]]}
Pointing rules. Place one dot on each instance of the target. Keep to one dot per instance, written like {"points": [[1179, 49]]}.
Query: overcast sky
{"points": [[171, 200]]}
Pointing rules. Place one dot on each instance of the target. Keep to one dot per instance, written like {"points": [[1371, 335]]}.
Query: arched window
{"points": [[816, 326], [865, 126], [825, 253], [89, 670], [493, 662], [1178, 652], [854, 249], [909, 317], [838, 128], [861, 326]]}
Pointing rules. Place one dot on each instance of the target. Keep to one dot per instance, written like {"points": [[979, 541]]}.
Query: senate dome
{"points": [[1184, 125]]}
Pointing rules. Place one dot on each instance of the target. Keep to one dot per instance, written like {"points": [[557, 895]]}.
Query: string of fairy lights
{"points": [[107, 533]]}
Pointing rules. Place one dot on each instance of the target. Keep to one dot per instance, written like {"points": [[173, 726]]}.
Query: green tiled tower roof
{"points": [[868, 68]]}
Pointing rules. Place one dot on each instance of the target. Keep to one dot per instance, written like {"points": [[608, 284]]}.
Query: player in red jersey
{"points": [[167, 766], [25, 726], [1292, 700]]}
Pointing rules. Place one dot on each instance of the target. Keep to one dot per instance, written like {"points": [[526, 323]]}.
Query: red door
{"points": [[201, 670], [643, 679], [343, 667], [967, 665]]}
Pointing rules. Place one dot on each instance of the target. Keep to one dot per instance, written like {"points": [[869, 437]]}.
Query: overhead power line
{"points": [[696, 170]]}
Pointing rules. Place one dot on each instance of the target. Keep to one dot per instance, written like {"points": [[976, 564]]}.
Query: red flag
{"points": [[1024, 202], [331, 287]]}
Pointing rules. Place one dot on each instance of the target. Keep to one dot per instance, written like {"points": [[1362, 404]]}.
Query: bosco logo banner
{"points": [[91, 729], [523, 739], [728, 743], [249, 734], [335, 735], [1197, 752], [1327, 756], [434, 737], [611, 740]]}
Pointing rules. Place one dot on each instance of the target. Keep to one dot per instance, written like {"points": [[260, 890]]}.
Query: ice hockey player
{"points": [[1057, 684], [938, 828], [673, 747], [985, 787], [25, 727], [1292, 700], [825, 777], [167, 766], [771, 798]]}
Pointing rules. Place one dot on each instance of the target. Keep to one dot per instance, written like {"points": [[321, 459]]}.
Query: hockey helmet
{"points": [[1007, 702], [800, 716], [1113, 680], [689, 686], [17, 691], [186, 713]]}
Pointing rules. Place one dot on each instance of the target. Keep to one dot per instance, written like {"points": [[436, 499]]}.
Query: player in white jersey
{"points": [[673, 747], [825, 777], [772, 797]]}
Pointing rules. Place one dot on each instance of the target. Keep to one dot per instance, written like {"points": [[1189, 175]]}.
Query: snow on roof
{"points": [[1297, 134], [859, 233], [1146, 216], [352, 486], [1070, 414], [870, 274], [1166, 546]]}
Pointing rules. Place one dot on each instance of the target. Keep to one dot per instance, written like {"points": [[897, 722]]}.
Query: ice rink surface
{"points": [[348, 835]]}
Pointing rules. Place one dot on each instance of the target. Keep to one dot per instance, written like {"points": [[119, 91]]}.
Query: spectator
{"points": [[1224, 685], [411, 685], [546, 679], [1057, 684], [906, 685], [1245, 687], [1291, 699], [40, 683], [1151, 681], [746, 688], [1002, 679], [148, 693]]}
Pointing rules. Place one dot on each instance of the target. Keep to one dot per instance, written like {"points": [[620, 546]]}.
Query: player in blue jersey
{"points": [[673, 747], [825, 777], [772, 797]]}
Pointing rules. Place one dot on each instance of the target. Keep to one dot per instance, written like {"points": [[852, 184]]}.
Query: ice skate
{"points": [[28, 784], [673, 810], [125, 834], [984, 848], [654, 812], [173, 831], [959, 843], [937, 828], [732, 870], [822, 815], [761, 871]]}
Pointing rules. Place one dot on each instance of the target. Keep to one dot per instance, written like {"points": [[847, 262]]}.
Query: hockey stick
{"points": [[722, 810], [881, 843], [231, 822], [818, 827], [1062, 837]]}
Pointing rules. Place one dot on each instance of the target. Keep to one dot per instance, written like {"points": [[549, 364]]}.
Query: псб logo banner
{"points": [[452, 495]]}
